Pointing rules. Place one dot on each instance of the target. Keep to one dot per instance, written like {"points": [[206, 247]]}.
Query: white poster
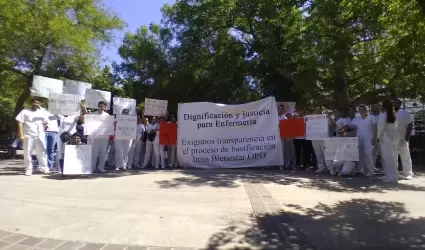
{"points": [[94, 96], [126, 127], [77, 159], [43, 86], [76, 88], [342, 149], [289, 106], [316, 127], [154, 107], [229, 136], [124, 103], [64, 104], [98, 125]]}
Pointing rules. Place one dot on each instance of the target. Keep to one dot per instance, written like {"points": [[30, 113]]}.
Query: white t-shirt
{"points": [[141, 128], [52, 123], [364, 126], [33, 122], [404, 118], [68, 124]]}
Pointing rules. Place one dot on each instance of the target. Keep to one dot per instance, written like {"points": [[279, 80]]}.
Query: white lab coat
{"points": [[152, 146], [124, 153], [404, 118], [389, 139], [99, 148], [364, 132]]}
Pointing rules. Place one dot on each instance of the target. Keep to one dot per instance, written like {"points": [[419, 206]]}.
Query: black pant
{"points": [[306, 147]]}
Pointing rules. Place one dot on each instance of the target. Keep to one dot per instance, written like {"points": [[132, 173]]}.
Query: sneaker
{"points": [[28, 173], [320, 170], [46, 171], [116, 169], [103, 171], [409, 177], [124, 168]]}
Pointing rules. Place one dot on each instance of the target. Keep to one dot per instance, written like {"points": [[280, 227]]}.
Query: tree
{"points": [[53, 38]]}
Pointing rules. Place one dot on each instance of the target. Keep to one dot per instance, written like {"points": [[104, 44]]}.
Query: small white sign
{"points": [[154, 107], [64, 104], [77, 159], [43, 86], [316, 127], [342, 149], [76, 88], [124, 103], [126, 127], [98, 125], [94, 96]]}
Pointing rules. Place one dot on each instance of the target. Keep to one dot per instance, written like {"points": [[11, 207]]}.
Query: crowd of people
{"points": [[385, 131]]}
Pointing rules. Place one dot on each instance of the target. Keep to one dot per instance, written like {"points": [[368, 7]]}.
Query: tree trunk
{"points": [[23, 97]]}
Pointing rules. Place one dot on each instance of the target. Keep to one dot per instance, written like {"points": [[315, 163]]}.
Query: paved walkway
{"points": [[208, 209]]}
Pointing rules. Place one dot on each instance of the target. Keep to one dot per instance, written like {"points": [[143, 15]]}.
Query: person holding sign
{"points": [[152, 143], [76, 139], [282, 116], [99, 144], [124, 151], [388, 138], [173, 149], [32, 123], [343, 168], [140, 142], [319, 146]]}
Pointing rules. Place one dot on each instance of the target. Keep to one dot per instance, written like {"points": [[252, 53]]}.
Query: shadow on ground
{"points": [[353, 224], [234, 178]]}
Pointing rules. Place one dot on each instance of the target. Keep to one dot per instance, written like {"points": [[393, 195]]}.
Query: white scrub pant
{"points": [[40, 150], [319, 148], [390, 154], [366, 155], [152, 146], [99, 148], [161, 155], [406, 160], [289, 150], [124, 153], [139, 152], [172, 152]]}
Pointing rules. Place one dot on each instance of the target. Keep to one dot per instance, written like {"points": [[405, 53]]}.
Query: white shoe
{"points": [[124, 168], [103, 171], [409, 177], [370, 175], [28, 173], [116, 169], [46, 171], [320, 170]]}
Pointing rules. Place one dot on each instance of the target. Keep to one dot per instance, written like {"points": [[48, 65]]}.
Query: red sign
{"points": [[167, 133], [291, 128]]}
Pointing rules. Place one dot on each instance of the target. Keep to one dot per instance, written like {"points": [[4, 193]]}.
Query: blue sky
{"points": [[135, 13]]}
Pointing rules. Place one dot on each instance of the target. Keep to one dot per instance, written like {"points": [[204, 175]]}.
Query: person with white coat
{"points": [[140, 143], [342, 168], [32, 123], [388, 138], [124, 151], [99, 144], [319, 145], [375, 113], [151, 145], [405, 126], [363, 125]]}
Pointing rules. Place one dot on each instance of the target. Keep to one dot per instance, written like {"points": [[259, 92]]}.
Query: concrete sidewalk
{"points": [[208, 209]]}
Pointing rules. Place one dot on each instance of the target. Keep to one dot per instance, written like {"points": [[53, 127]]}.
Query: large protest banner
{"points": [[64, 104], [155, 107], [76, 88], [229, 136], [126, 128], [317, 127], [77, 159], [43, 86], [94, 96], [99, 126], [342, 149], [119, 104]]}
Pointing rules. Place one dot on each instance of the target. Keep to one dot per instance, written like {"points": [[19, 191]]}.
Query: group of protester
{"points": [[385, 131]]}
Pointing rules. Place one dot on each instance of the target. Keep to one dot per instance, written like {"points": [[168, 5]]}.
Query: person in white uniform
{"points": [[32, 123], [342, 168], [172, 149], [319, 145], [388, 138], [405, 126], [99, 144], [363, 125], [375, 113], [124, 151], [151, 130], [282, 116], [140, 145]]}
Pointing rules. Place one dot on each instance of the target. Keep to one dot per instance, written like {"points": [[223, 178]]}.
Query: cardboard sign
{"points": [[94, 96], [342, 149], [317, 127], [126, 128], [64, 104], [119, 104], [43, 86], [98, 126], [292, 128], [77, 159], [168, 133], [76, 88], [155, 107]]}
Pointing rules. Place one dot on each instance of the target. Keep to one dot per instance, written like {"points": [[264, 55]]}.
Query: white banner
{"points": [[98, 125], [229, 136], [43, 86], [77, 159], [316, 127], [155, 107], [94, 96], [342, 149], [76, 88], [126, 127], [64, 104], [289, 106], [124, 103]]}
